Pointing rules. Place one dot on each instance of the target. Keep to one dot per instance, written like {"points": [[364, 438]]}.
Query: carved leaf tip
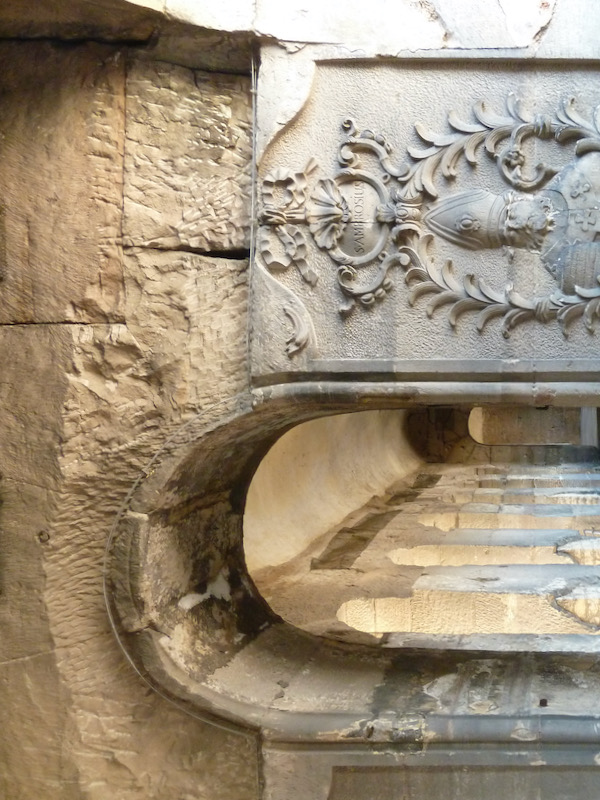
{"points": [[300, 336], [461, 307]]}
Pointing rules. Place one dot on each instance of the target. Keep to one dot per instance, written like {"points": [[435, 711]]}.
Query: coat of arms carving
{"points": [[378, 218]]}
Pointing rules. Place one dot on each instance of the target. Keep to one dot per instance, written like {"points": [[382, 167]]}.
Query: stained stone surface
{"points": [[187, 159], [200, 48], [110, 397]]}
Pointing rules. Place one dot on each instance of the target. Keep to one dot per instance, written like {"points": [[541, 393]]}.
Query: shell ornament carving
{"points": [[388, 220]]}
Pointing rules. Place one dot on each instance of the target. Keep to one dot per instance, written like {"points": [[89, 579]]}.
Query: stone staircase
{"points": [[507, 557]]}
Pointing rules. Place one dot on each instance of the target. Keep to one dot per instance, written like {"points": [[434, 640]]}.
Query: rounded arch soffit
{"points": [[183, 606], [190, 619]]}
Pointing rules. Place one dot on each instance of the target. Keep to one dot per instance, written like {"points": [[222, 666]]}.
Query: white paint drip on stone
{"points": [[219, 589]]}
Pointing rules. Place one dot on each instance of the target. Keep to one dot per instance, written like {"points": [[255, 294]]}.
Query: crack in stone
{"points": [[21, 659], [541, 33], [236, 254], [116, 321], [74, 41]]}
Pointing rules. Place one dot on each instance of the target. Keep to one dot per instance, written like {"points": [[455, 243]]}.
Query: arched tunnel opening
{"points": [[435, 527]]}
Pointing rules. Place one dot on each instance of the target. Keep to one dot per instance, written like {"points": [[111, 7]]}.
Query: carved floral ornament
{"points": [[390, 220]]}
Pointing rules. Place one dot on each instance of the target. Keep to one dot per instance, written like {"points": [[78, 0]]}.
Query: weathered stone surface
{"points": [[187, 159], [80, 19], [187, 314], [109, 402], [31, 441], [125, 393], [294, 774], [87, 404], [221, 41], [200, 48], [127, 387], [62, 136], [32, 697], [449, 242], [119, 405]]}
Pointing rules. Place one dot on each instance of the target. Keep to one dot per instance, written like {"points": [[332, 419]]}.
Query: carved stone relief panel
{"points": [[421, 220]]}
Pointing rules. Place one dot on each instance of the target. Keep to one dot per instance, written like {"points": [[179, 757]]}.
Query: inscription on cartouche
{"points": [[390, 218]]}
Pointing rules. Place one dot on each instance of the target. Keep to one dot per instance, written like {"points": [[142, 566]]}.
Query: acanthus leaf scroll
{"points": [[389, 220]]}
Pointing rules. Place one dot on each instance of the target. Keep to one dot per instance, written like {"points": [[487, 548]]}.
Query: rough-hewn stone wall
{"points": [[116, 327]]}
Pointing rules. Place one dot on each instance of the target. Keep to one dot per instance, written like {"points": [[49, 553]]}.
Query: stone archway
{"points": [[125, 176]]}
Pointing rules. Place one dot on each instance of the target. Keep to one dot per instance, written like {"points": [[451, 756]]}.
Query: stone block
{"points": [[61, 136], [30, 442], [187, 159], [201, 48], [188, 314]]}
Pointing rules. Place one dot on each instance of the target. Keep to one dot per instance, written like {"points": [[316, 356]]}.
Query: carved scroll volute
{"points": [[361, 236]]}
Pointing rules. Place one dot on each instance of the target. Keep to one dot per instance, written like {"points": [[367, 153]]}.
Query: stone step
{"points": [[515, 515], [544, 470], [583, 603], [468, 555], [496, 516], [463, 601], [502, 537], [535, 495], [547, 579], [583, 550], [479, 546], [494, 642], [583, 480], [439, 613]]}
